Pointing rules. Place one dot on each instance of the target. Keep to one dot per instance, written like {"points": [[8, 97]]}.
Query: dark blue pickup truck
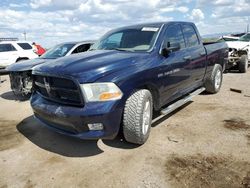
{"points": [[127, 75]]}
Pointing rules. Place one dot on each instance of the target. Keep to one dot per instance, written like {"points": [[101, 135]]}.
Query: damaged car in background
{"points": [[238, 57], [20, 73]]}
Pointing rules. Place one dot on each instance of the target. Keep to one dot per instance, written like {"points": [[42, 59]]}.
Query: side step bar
{"points": [[178, 103], [181, 102]]}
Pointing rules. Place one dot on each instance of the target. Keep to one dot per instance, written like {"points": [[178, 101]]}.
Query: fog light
{"points": [[95, 126]]}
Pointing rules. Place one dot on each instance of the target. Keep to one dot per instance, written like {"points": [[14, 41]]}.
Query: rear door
{"points": [[195, 55]]}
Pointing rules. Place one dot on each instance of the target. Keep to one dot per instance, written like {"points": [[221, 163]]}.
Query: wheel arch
{"points": [[152, 89]]}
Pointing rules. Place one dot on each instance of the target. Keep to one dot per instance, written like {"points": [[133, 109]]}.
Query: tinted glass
{"points": [[174, 35], [190, 36], [81, 48], [25, 46], [133, 39], [7, 48], [58, 51]]}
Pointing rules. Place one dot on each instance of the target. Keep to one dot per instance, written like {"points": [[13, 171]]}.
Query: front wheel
{"points": [[214, 82], [138, 117]]}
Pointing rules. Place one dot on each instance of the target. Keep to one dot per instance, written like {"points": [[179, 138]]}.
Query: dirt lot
{"points": [[204, 144]]}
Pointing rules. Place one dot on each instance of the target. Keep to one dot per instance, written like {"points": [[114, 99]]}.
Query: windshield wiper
{"points": [[118, 49]]}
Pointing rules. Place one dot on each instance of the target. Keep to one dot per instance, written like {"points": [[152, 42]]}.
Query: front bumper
{"points": [[73, 121]]}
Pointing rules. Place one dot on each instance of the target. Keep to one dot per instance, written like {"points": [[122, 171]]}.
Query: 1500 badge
{"points": [[168, 73]]}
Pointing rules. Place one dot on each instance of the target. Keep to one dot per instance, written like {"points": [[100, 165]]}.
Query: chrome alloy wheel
{"points": [[146, 117], [218, 79]]}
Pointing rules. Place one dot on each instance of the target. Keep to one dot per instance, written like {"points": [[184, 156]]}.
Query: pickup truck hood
{"points": [[237, 44], [26, 65], [91, 65]]}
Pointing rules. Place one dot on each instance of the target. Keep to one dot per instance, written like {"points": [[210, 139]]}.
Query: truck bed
{"points": [[216, 51]]}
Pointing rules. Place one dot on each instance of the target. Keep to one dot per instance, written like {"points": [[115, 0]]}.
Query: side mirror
{"points": [[168, 48]]}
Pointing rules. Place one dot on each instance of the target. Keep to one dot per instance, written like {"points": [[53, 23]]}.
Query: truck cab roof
{"points": [[154, 24]]}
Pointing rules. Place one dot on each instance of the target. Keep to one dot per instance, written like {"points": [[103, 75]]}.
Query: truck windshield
{"points": [[245, 38], [132, 39], [57, 51]]}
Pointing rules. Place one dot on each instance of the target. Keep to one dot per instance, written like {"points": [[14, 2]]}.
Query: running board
{"points": [[178, 103]]}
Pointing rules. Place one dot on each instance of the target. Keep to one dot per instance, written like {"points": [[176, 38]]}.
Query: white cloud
{"points": [[19, 5], [226, 8], [217, 3], [39, 3], [197, 15], [53, 21], [56, 4], [223, 15], [181, 9], [223, 2]]}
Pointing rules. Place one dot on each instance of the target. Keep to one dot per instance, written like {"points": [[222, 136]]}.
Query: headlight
{"points": [[101, 92]]}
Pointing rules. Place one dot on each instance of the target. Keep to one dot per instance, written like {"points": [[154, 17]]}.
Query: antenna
{"points": [[24, 33]]}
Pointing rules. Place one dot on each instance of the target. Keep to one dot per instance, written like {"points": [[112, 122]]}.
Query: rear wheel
{"points": [[138, 117], [243, 64], [213, 83]]}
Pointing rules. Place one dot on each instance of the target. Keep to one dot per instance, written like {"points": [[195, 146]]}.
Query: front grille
{"points": [[61, 90]]}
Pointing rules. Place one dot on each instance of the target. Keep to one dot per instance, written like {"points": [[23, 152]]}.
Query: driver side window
{"points": [[173, 36]]}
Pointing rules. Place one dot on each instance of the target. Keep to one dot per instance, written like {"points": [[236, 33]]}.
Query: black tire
{"points": [[133, 117], [211, 84], [243, 64]]}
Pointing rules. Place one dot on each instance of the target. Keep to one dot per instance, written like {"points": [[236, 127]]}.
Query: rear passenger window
{"points": [[7, 48], [174, 35], [190, 36], [25, 46]]}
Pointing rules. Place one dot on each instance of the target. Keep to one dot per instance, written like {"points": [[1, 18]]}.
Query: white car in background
{"points": [[14, 51], [239, 53]]}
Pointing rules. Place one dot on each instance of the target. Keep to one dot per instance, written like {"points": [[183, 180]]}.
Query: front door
{"points": [[174, 75]]}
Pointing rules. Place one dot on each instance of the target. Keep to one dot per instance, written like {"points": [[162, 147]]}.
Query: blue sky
{"points": [[53, 21]]}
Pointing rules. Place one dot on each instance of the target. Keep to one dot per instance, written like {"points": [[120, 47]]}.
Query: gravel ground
{"points": [[204, 144]]}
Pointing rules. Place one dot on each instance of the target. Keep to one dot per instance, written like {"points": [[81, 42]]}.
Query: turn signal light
{"points": [[109, 96]]}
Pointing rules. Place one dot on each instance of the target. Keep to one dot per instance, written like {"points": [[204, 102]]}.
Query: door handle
{"points": [[187, 57]]}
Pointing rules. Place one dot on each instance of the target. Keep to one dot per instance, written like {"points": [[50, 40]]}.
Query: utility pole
{"points": [[247, 28], [24, 33]]}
